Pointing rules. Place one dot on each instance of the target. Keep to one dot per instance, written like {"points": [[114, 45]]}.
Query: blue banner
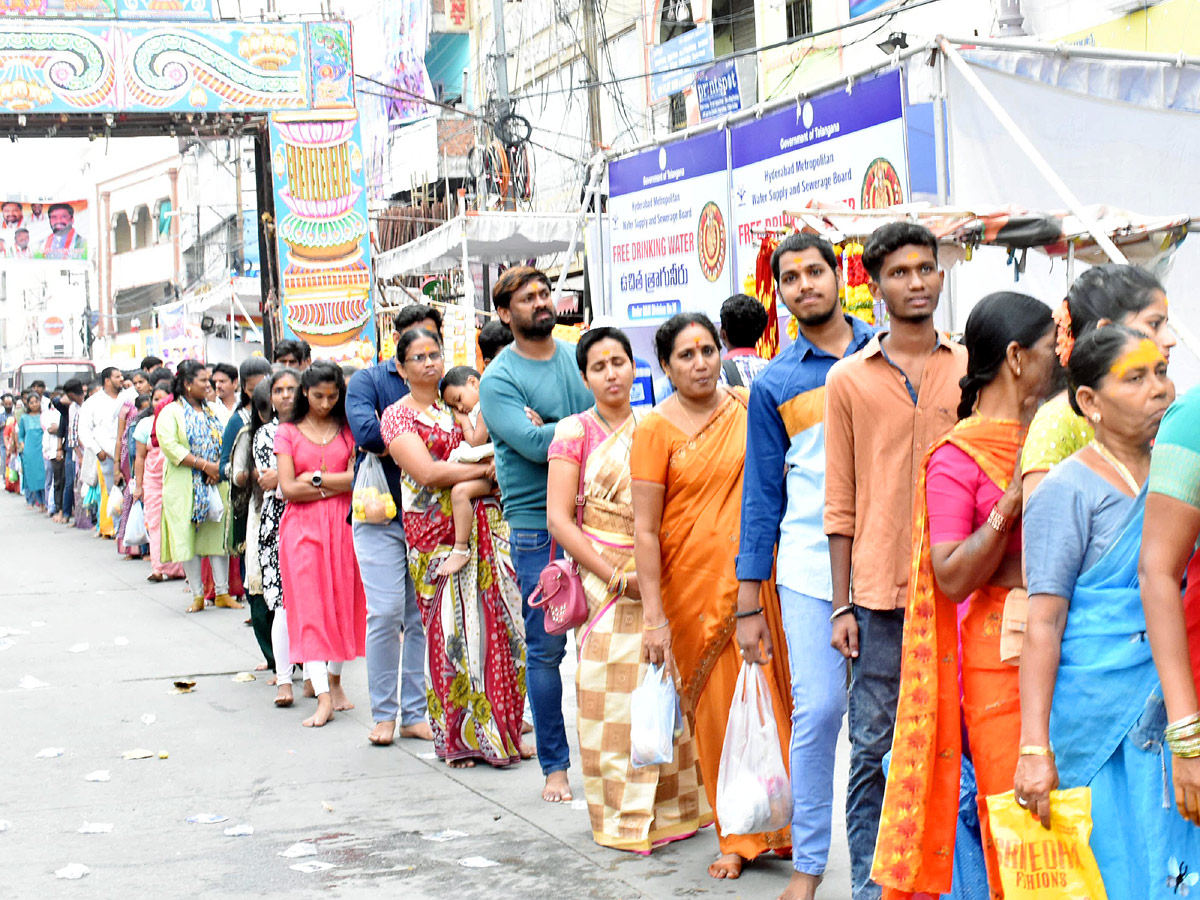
{"points": [[668, 62], [673, 162], [717, 90]]}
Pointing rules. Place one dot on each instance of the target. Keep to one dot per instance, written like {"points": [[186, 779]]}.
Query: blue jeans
{"points": [[818, 704], [68, 505], [543, 654], [391, 610], [874, 692]]}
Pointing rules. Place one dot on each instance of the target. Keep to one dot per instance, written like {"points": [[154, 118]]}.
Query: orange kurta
{"points": [[915, 849], [701, 521]]}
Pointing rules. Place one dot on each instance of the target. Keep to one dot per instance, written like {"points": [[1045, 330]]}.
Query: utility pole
{"points": [[502, 104], [590, 54]]}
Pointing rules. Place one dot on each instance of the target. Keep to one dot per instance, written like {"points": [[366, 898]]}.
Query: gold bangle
{"points": [[655, 627], [1034, 750], [998, 521]]}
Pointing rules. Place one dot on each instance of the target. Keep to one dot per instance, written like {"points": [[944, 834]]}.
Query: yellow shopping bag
{"points": [[1036, 864]]}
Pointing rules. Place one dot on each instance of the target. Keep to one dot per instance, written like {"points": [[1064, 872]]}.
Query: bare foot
{"points": [[272, 681], [526, 751], [461, 763], [454, 561], [526, 727], [284, 697], [418, 730], [558, 788], [800, 887], [727, 865], [308, 689], [323, 714], [382, 734], [262, 667], [337, 695], [197, 605]]}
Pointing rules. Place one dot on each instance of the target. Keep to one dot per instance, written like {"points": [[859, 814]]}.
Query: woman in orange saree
{"points": [[967, 547], [687, 460]]}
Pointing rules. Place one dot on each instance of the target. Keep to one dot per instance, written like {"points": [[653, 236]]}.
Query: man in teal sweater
{"points": [[532, 384]]}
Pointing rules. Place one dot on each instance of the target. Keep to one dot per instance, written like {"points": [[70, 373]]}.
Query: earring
{"points": [[1018, 371], [1095, 418]]}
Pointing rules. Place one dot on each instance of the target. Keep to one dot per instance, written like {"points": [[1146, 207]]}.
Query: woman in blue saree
{"points": [[1092, 712]]}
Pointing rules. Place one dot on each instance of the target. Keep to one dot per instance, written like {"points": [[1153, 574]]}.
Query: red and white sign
{"points": [[53, 326]]}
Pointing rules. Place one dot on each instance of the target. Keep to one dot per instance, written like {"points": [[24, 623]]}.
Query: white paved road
{"points": [[107, 646]]}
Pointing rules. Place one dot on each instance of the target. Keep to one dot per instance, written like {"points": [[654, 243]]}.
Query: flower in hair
{"points": [[1064, 340]]}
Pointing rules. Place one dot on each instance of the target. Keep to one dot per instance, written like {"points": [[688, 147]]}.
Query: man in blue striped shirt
{"points": [[783, 498]]}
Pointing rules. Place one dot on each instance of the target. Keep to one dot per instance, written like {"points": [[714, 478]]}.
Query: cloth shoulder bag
{"points": [[559, 592]]}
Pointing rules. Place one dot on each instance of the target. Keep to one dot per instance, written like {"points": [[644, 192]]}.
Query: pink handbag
{"points": [[559, 592]]}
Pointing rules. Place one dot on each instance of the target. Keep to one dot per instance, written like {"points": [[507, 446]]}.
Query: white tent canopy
{"points": [[485, 237]]}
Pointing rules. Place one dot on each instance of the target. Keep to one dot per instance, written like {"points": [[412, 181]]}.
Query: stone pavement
{"points": [[368, 810]]}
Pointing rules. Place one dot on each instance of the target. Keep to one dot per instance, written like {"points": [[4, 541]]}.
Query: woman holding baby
{"points": [[475, 656]]}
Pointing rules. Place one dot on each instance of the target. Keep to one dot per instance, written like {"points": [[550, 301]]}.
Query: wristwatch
{"points": [[316, 479]]}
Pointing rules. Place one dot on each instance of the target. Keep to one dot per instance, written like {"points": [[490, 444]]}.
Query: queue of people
{"points": [[976, 552]]}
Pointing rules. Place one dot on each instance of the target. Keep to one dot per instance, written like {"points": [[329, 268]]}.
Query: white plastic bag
{"points": [[372, 500], [653, 708], [135, 526], [216, 507], [116, 499], [754, 793]]}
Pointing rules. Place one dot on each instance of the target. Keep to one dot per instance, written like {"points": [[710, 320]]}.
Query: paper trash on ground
{"points": [[7, 631], [5, 643], [95, 828], [29, 683], [313, 865], [148, 719], [477, 862], [448, 835], [182, 687], [98, 775], [243, 677], [72, 870], [5, 824], [138, 753], [78, 648], [239, 830], [296, 851], [49, 753], [426, 756], [206, 819]]}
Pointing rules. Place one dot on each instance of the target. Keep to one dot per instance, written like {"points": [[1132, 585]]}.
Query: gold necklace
{"points": [[695, 428], [1120, 467]]}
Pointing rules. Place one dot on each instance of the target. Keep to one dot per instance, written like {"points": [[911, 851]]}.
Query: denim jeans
{"points": [[48, 463], [818, 704], [874, 692], [391, 611], [68, 504], [543, 653]]}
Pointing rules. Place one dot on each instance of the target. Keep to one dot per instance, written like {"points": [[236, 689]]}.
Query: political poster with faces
{"points": [[846, 146], [668, 212], [44, 229]]}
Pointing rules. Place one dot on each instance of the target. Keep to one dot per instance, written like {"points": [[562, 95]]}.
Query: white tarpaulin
{"points": [[491, 237], [1106, 151]]}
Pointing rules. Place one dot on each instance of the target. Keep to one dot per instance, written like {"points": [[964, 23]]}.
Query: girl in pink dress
{"points": [[323, 593]]}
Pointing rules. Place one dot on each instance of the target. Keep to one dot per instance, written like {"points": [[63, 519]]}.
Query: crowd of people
{"points": [[976, 552]]}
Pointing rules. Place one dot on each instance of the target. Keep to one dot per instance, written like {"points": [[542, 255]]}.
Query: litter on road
{"points": [[243, 677], [182, 687], [95, 828], [206, 819], [78, 648], [447, 835], [49, 753], [7, 631], [239, 830], [29, 683], [138, 753], [72, 870], [312, 865], [477, 862], [98, 775], [148, 719], [297, 851]]}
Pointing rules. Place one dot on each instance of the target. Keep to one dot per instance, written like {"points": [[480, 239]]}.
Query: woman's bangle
{"points": [[748, 613], [841, 611], [655, 627], [1035, 750], [998, 521]]}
